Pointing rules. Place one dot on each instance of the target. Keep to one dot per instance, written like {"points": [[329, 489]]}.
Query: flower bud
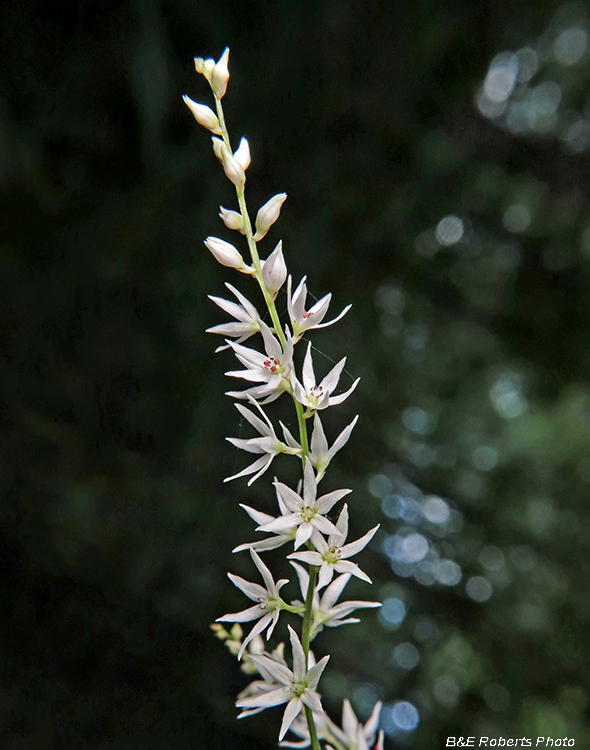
{"points": [[218, 144], [268, 214], [204, 115], [208, 66], [224, 252], [232, 168], [220, 75], [243, 154], [199, 64], [232, 219], [274, 270]]}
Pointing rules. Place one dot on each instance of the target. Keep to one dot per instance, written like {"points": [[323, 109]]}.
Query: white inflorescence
{"points": [[270, 369]]}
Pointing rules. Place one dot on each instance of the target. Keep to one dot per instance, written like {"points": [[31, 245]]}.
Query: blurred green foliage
{"points": [[436, 161]]}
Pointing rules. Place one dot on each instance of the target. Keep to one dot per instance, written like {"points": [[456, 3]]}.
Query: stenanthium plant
{"points": [[301, 521]]}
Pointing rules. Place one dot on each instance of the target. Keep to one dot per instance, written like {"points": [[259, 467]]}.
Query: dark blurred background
{"points": [[436, 157]]}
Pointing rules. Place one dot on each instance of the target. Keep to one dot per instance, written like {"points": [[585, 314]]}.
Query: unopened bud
{"points": [[243, 154], [224, 252], [220, 75], [274, 270], [232, 219], [204, 115], [268, 214], [218, 144], [232, 168]]}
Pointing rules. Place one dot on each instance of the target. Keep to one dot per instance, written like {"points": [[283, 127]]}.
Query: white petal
{"points": [[354, 547], [299, 665], [291, 712]]}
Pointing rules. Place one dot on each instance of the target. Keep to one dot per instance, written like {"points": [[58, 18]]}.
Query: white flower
{"points": [[268, 214], [232, 219], [274, 270], [305, 320], [319, 396], [273, 370], [319, 453], [269, 603], [296, 688], [245, 313], [325, 611], [203, 114], [307, 512], [354, 734], [226, 254], [220, 75], [333, 555], [268, 443]]}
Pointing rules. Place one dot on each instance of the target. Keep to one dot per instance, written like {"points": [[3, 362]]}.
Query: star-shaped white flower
{"points": [[354, 734], [333, 555], [245, 313], [266, 610], [267, 444], [303, 320], [325, 611], [296, 688], [320, 454], [320, 396], [307, 512], [273, 369]]}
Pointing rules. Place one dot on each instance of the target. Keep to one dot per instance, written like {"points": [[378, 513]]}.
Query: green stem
{"points": [[270, 304], [313, 572], [313, 735]]}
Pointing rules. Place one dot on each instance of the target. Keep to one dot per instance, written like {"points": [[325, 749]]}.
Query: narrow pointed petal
{"points": [[303, 534], [256, 515], [262, 463], [253, 591], [311, 558], [291, 712], [336, 319], [266, 700], [335, 400], [345, 566], [299, 665], [256, 630], [349, 721], [319, 443], [326, 502], [247, 615], [349, 550], [326, 575], [314, 674], [265, 573], [282, 523], [332, 593], [330, 382], [307, 371]]}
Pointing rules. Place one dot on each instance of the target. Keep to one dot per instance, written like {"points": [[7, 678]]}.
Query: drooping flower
{"points": [[332, 556], [296, 688], [267, 444], [317, 397], [307, 512], [245, 313], [266, 610], [319, 454], [303, 320], [272, 370], [325, 611]]}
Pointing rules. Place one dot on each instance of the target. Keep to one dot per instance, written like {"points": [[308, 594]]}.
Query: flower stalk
{"points": [[302, 517]]}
